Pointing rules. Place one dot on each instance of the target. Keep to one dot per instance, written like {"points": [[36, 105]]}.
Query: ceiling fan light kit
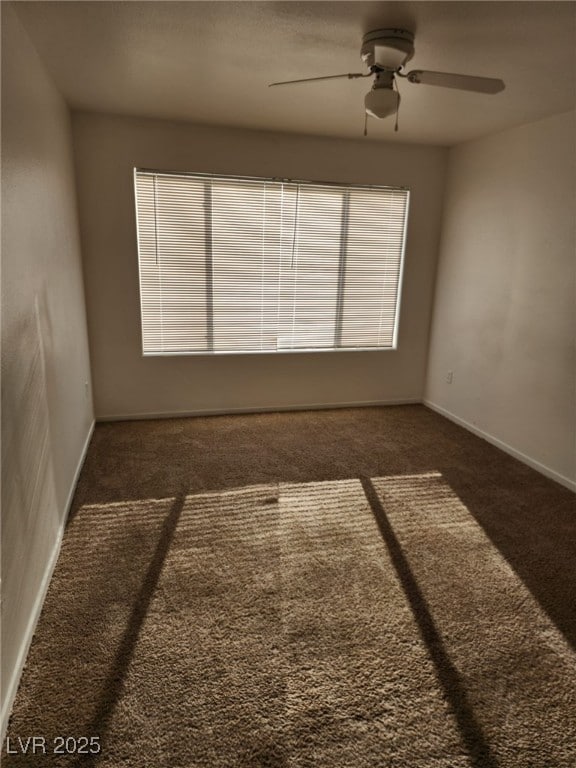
{"points": [[385, 52], [381, 102]]}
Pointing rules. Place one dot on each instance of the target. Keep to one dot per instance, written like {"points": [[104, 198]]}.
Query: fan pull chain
{"points": [[365, 123], [397, 106]]}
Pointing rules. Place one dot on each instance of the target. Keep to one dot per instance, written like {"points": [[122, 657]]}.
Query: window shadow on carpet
{"points": [[532, 522], [453, 687], [112, 687], [502, 663], [343, 622], [529, 518]]}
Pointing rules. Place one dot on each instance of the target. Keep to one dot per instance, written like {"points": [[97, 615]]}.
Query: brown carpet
{"points": [[350, 589]]}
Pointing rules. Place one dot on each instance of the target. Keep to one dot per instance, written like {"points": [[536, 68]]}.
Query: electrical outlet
{"points": [[449, 377]]}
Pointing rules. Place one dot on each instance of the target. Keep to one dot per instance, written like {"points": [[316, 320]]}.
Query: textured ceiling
{"points": [[210, 62]]}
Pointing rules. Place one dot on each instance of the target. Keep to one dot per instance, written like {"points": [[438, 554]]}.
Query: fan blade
{"points": [[350, 76], [463, 82]]}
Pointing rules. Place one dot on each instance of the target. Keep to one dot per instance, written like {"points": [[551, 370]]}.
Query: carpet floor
{"points": [[357, 588]]}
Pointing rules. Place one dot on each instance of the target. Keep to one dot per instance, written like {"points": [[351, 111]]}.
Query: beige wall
{"points": [[125, 383], [46, 408], [504, 317]]}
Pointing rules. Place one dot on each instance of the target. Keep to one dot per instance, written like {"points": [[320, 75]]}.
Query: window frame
{"points": [[276, 179]]}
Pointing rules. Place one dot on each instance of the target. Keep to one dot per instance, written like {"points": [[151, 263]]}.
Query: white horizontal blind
{"points": [[255, 265]]}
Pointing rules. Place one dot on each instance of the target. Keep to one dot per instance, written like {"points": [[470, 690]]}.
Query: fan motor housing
{"points": [[387, 49]]}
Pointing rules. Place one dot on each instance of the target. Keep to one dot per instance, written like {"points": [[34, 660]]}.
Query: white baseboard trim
{"points": [[12, 686], [538, 466], [254, 409]]}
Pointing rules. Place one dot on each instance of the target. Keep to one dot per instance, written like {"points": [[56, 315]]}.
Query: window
{"points": [[264, 265]]}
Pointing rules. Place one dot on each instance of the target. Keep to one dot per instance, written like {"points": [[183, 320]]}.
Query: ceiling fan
{"points": [[385, 52]]}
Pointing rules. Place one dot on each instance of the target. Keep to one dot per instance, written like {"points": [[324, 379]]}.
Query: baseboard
{"points": [[254, 409], [40, 597], [538, 466]]}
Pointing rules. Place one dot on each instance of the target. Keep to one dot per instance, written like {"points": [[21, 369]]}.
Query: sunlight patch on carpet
{"points": [[270, 626], [516, 667]]}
